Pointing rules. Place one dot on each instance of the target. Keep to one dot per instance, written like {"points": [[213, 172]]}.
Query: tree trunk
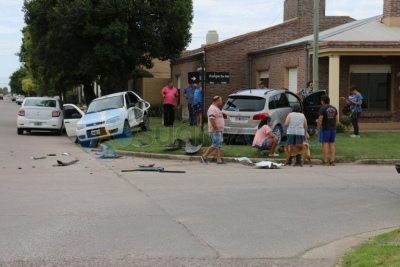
{"points": [[89, 93]]}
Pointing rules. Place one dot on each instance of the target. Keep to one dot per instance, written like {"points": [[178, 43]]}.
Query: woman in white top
{"points": [[296, 124]]}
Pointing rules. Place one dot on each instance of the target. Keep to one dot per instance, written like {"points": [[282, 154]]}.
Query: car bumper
{"points": [[52, 124], [99, 133]]}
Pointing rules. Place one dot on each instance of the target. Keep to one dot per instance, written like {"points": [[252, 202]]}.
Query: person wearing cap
{"points": [[216, 125], [261, 84], [296, 124]]}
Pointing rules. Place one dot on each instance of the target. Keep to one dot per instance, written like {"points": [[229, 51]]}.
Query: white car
{"points": [[112, 116], [46, 114], [19, 99], [40, 113]]}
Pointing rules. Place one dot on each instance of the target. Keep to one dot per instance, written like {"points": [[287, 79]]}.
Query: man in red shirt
{"points": [[170, 95]]}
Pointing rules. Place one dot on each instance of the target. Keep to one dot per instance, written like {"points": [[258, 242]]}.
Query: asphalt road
{"points": [[92, 214]]}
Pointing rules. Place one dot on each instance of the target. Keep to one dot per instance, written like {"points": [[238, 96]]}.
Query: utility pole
{"points": [[315, 46]]}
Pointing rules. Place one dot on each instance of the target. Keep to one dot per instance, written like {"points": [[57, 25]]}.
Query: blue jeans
{"points": [[192, 117]]}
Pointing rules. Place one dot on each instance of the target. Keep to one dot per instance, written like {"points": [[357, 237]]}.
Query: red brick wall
{"points": [[231, 55], [391, 8]]}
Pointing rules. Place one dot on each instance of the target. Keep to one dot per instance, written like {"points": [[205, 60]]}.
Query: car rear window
{"points": [[40, 103], [244, 103]]}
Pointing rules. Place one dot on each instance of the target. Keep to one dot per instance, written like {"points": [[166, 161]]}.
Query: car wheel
{"points": [[20, 131], [126, 132], [146, 123], [59, 132], [87, 144], [278, 133]]}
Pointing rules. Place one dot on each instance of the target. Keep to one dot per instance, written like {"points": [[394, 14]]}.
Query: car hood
{"points": [[98, 118]]}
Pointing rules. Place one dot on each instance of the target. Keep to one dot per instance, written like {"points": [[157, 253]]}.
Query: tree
{"points": [[16, 80], [82, 41]]}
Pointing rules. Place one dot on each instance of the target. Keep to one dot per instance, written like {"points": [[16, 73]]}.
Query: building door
{"points": [[373, 82], [293, 80]]}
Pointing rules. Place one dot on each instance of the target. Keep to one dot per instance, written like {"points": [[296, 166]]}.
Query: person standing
{"points": [[188, 93], [198, 104], [170, 95], [296, 124], [326, 129], [265, 138], [303, 93], [216, 125], [355, 101]]}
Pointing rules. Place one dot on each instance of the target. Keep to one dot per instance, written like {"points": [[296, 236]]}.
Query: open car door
{"points": [[311, 106], [72, 114]]}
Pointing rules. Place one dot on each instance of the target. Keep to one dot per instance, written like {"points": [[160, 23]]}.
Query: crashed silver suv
{"points": [[244, 109]]}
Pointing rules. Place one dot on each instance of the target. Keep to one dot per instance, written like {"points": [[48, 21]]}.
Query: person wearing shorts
{"points": [[216, 125], [326, 129], [265, 138]]}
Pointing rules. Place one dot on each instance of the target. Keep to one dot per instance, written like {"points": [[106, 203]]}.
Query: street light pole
{"points": [[315, 45]]}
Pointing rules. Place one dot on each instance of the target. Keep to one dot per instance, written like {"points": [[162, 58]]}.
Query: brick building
{"points": [[282, 56]]}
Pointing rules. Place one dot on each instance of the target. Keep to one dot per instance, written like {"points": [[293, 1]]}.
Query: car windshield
{"points": [[40, 103], [106, 104], [244, 103]]}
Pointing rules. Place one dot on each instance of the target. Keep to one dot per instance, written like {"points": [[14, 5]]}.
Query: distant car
{"points": [[1, 97], [112, 116], [40, 113], [244, 109], [19, 99], [13, 98]]}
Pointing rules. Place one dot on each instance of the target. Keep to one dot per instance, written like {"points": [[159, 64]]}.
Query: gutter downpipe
{"points": [[203, 85], [250, 70]]}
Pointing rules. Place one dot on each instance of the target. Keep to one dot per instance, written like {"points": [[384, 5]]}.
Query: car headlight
{"points": [[80, 126], [113, 120]]}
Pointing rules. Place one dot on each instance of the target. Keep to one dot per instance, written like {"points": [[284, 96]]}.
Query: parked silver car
{"points": [[244, 109]]}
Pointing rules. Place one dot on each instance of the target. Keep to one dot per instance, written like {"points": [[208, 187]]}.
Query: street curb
{"points": [[196, 157]]}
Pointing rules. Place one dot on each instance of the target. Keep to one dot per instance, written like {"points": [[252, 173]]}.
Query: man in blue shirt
{"points": [[198, 104], [188, 93]]}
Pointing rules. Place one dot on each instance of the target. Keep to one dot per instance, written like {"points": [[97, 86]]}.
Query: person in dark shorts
{"points": [[326, 129]]}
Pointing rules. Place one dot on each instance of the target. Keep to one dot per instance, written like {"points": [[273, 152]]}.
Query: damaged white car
{"points": [[112, 116]]}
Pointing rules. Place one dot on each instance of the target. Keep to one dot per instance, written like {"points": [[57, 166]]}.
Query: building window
{"points": [[264, 77], [373, 82]]}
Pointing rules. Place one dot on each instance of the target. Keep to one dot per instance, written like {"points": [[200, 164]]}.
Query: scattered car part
{"points": [[190, 148], [152, 169], [60, 163]]}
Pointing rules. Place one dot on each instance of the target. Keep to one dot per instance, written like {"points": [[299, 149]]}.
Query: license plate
{"points": [[37, 124], [95, 132], [240, 119]]}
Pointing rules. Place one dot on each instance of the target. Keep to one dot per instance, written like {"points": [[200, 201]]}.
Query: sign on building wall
{"points": [[217, 77], [193, 77]]}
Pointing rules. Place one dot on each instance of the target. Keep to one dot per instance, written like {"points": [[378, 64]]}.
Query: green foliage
{"points": [[383, 250], [78, 42], [16, 80], [345, 120], [71, 97], [371, 145], [155, 110], [340, 128]]}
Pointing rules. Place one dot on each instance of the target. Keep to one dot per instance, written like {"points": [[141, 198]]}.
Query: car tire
{"points": [[146, 123], [20, 131], [87, 144], [126, 132], [278, 133], [59, 132]]}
